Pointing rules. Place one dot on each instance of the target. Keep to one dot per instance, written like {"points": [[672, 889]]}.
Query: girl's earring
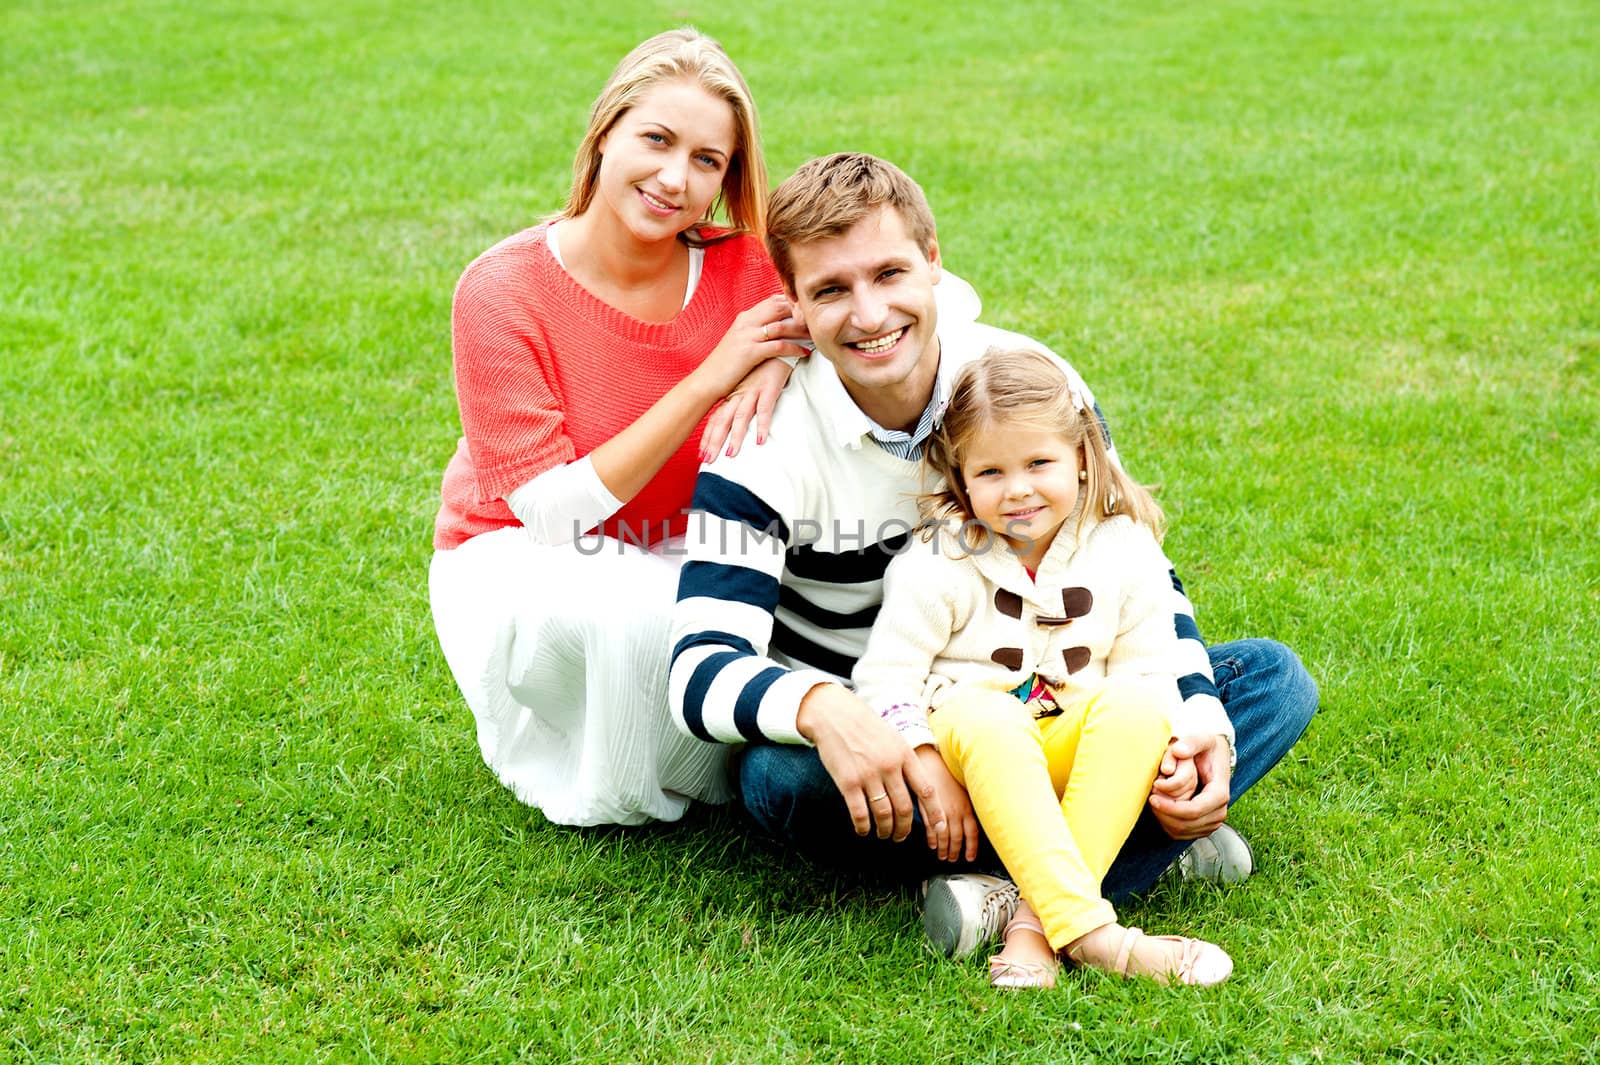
{"points": [[1083, 475]]}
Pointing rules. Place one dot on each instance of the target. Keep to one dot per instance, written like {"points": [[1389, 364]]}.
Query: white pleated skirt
{"points": [[562, 655]]}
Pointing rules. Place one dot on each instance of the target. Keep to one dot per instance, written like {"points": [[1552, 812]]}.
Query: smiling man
{"points": [[790, 541]]}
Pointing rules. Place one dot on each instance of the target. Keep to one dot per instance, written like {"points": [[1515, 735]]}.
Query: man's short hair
{"points": [[827, 196]]}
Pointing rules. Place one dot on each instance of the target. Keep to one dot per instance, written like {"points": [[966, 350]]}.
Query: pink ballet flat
{"points": [[1199, 964], [1009, 975]]}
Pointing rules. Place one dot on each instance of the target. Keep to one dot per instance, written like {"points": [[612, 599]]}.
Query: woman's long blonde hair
{"points": [[689, 55], [1024, 389]]}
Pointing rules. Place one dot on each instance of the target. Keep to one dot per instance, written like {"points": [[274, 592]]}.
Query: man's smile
{"points": [[878, 345]]}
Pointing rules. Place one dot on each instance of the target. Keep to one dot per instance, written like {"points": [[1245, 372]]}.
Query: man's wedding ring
{"points": [[875, 798]]}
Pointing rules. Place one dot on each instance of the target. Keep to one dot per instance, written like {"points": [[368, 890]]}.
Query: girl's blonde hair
{"points": [[689, 55], [1025, 389]]}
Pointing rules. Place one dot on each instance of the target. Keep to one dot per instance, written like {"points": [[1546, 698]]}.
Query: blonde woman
{"points": [[588, 352]]}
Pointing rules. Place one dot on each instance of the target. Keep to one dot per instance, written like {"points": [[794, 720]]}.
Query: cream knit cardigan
{"points": [[1101, 605]]}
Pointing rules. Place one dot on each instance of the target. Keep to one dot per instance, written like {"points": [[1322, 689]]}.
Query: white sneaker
{"points": [[964, 911], [1222, 858]]}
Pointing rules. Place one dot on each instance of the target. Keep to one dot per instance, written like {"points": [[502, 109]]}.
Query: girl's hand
{"points": [[763, 332], [1198, 815], [957, 836], [755, 397], [1177, 777]]}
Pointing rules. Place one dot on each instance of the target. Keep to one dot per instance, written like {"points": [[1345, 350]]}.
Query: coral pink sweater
{"points": [[546, 372]]}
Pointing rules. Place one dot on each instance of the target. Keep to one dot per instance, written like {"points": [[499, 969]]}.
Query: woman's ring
{"points": [[764, 334], [875, 798]]}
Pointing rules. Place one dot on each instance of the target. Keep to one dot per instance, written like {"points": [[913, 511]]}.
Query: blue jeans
{"points": [[1269, 697]]}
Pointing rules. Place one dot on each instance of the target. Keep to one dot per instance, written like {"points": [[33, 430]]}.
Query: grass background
{"points": [[1331, 268]]}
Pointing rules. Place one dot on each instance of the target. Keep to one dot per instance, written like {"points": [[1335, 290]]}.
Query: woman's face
{"points": [[664, 161]]}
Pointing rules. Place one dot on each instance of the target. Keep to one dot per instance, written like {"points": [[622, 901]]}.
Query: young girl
{"points": [[1030, 637]]}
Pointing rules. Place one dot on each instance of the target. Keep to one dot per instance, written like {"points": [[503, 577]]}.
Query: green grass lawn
{"points": [[1332, 272]]}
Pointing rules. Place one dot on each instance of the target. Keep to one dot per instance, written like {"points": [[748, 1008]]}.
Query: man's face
{"points": [[867, 298]]}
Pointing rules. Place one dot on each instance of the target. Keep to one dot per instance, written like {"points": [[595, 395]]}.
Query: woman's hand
{"points": [[627, 461], [765, 331], [755, 397], [755, 393], [957, 837]]}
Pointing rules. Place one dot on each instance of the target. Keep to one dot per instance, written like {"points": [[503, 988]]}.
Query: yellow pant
{"points": [[1058, 796]]}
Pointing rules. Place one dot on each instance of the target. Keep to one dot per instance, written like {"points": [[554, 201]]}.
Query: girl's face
{"points": [[663, 162], [1023, 484]]}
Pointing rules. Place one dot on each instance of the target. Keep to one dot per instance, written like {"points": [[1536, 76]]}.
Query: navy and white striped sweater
{"points": [[787, 546]]}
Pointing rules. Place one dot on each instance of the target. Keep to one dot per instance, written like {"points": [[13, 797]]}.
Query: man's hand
{"points": [[1190, 761], [874, 770], [957, 835]]}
